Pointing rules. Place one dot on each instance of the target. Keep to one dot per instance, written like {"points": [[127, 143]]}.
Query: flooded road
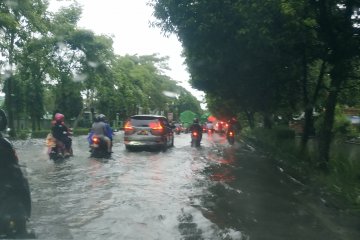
{"points": [[216, 191]]}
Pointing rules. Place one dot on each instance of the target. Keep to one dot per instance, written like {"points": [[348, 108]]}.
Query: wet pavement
{"points": [[216, 191]]}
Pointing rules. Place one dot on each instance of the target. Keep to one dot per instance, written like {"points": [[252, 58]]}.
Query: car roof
{"points": [[148, 116]]}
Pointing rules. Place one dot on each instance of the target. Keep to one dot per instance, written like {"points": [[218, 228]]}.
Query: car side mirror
{"points": [[3, 120]]}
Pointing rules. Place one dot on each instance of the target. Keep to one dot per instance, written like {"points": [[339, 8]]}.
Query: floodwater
{"points": [[216, 191]]}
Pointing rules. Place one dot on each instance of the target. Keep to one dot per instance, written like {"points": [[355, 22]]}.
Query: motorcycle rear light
{"points": [[95, 140], [195, 134], [231, 134]]}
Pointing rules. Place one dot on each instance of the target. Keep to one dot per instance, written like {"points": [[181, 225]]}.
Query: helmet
{"points": [[101, 118], [59, 117], [196, 120]]}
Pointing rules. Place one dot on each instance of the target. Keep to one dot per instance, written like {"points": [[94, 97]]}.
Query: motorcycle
{"points": [[195, 139], [56, 148], [177, 130], [230, 135], [15, 199], [98, 147]]}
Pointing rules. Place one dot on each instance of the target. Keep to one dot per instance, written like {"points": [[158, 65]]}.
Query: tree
{"points": [[20, 19], [263, 55], [338, 29]]}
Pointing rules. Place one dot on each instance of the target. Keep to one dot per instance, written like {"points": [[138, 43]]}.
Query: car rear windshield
{"points": [[143, 121]]}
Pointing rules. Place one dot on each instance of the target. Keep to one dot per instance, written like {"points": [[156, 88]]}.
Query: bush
{"points": [[23, 134], [342, 181], [342, 125], [44, 133], [284, 132], [81, 131], [40, 134]]}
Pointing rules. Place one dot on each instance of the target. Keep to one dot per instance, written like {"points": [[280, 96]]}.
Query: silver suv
{"points": [[148, 131]]}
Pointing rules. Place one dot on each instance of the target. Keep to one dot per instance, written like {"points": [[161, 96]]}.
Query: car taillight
{"points": [[95, 140], [128, 126], [156, 128]]}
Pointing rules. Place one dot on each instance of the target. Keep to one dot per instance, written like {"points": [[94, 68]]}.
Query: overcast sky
{"points": [[127, 21]]}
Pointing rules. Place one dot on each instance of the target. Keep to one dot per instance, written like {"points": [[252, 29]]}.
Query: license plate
{"points": [[143, 132], [94, 145]]}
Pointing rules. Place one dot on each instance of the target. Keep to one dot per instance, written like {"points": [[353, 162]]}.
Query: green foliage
{"points": [[44, 133], [23, 134], [40, 134], [283, 132], [269, 57], [341, 185], [343, 179], [81, 131], [342, 125], [58, 67]]}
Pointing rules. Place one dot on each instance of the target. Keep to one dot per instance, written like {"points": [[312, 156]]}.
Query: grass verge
{"points": [[340, 185]]}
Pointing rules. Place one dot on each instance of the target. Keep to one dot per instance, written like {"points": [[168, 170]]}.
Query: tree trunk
{"points": [[308, 126], [267, 120], [78, 118], [33, 124], [10, 88], [326, 134], [250, 117]]}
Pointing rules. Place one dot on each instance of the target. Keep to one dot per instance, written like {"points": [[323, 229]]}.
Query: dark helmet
{"points": [[101, 118], [196, 120]]}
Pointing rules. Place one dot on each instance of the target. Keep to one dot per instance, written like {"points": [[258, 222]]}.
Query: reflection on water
{"points": [[216, 191]]}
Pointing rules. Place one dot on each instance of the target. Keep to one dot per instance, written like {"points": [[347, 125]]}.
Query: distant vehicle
{"points": [[210, 127], [220, 127], [178, 128], [56, 148], [148, 131], [195, 138], [98, 147], [230, 136]]}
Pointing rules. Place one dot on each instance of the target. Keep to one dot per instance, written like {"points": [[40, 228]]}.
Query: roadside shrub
{"points": [[283, 132], [342, 125], [40, 133], [342, 181], [23, 134], [81, 131], [44, 133]]}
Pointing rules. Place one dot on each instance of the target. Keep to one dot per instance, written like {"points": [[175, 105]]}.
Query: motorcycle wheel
{"points": [[13, 220]]}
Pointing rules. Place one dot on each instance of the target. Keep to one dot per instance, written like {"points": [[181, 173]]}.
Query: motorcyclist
{"points": [[233, 125], [197, 127], [102, 129], [61, 132], [14, 187], [220, 127]]}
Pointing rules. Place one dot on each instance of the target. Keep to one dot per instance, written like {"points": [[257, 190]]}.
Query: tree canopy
{"points": [[273, 57], [49, 64]]}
